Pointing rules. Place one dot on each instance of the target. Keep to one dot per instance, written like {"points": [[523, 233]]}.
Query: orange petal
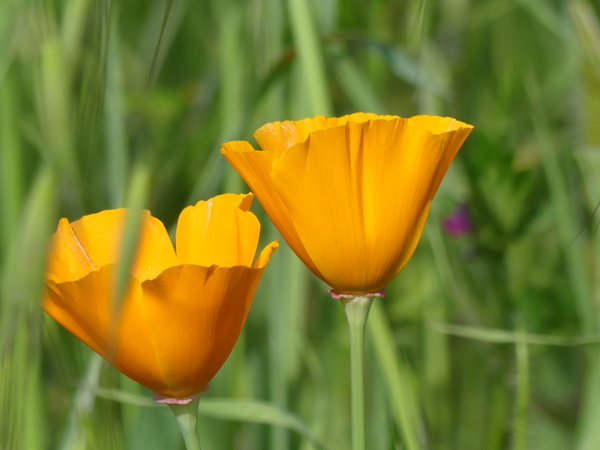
{"points": [[403, 162], [412, 241], [84, 308], [58, 309], [356, 195], [220, 231], [67, 260], [318, 183], [265, 255], [196, 315], [452, 131], [282, 135], [155, 249], [95, 241], [255, 168]]}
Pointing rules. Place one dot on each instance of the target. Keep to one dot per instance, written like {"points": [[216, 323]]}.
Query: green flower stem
{"points": [[357, 311], [187, 419]]}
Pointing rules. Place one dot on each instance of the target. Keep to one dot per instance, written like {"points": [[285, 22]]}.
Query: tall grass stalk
{"points": [[310, 53]]}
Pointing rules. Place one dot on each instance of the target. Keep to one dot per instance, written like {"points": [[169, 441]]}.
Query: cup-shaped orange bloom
{"points": [[182, 312], [350, 195]]}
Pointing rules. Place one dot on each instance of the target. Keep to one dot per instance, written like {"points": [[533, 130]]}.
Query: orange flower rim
{"points": [[182, 312], [350, 195]]}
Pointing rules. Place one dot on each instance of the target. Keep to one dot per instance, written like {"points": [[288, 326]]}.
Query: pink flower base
{"points": [[178, 401], [338, 295]]}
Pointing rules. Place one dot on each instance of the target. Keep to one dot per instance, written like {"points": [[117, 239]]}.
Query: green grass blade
{"points": [[251, 411], [137, 198], [497, 336], [521, 418], [561, 198], [588, 27], [56, 117], [307, 40], [21, 287], [401, 397], [168, 25], [287, 285], [115, 118], [83, 405], [11, 164], [354, 83], [72, 30]]}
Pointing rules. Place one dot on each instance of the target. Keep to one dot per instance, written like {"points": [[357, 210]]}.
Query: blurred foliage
{"points": [[94, 93]]}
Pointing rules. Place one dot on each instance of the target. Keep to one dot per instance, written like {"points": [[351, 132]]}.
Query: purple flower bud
{"points": [[458, 223]]}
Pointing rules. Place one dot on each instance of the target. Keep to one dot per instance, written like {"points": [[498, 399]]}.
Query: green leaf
{"points": [[497, 336], [250, 411]]}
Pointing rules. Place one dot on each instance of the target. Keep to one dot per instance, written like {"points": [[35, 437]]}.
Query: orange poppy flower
{"points": [[350, 195], [182, 312]]}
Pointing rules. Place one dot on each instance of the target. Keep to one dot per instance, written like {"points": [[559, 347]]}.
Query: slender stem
{"points": [[522, 397], [187, 419], [357, 311]]}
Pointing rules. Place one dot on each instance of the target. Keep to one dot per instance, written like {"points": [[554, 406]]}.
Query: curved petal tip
{"points": [[265, 255]]}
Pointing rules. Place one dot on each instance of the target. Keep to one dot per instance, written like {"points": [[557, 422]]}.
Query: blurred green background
{"points": [[487, 340]]}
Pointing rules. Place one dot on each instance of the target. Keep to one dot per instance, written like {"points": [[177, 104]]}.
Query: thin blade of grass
{"points": [[402, 401], [20, 322], [551, 20], [114, 116], [251, 411], [56, 117], [521, 418], [287, 289], [162, 43], [497, 336], [83, 404], [588, 27], [306, 38], [137, 198], [561, 199], [355, 85], [72, 29], [11, 164]]}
